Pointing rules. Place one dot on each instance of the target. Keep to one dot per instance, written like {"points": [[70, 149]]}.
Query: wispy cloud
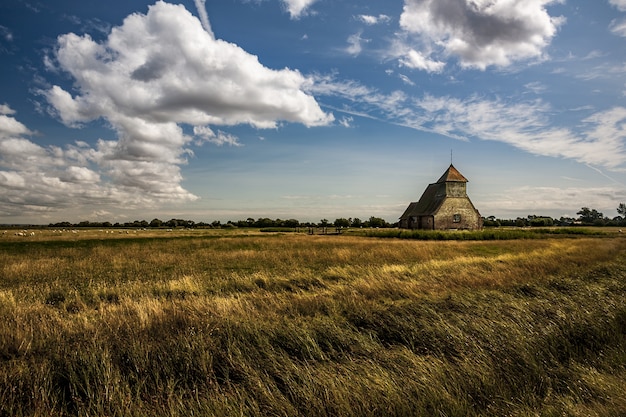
{"points": [[536, 87], [619, 4], [220, 138], [354, 44], [204, 17], [600, 141], [6, 39], [545, 200], [618, 27], [346, 121]]}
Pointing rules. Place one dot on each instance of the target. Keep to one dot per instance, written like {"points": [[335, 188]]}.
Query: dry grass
{"points": [[250, 324]]}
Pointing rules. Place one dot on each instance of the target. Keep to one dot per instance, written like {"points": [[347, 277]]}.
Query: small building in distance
{"points": [[444, 205]]}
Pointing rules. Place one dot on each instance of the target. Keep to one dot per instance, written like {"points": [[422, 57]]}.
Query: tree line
{"points": [[262, 222], [586, 217]]}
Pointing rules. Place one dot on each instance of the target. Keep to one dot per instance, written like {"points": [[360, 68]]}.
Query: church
{"points": [[443, 206]]}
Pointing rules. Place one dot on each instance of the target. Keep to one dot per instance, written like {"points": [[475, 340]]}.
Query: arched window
{"points": [[456, 218]]}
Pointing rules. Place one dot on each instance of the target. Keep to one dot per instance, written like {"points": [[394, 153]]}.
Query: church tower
{"points": [[444, 205]]}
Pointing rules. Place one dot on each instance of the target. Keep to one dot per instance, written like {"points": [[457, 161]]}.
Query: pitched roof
{"points": [[429, 203], [434, 195], [452, 174]]}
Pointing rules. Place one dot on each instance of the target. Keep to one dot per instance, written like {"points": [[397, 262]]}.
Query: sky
{"points": [[309, 109]]}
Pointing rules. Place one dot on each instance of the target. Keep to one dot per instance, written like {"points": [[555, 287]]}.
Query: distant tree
{"points": [[356, 222], [264, 222], [156, 223], [291, 223], [590, 216], [324, 223], [377, 222], [491, 222], [621, 210], [538, 221], [342, 222]]}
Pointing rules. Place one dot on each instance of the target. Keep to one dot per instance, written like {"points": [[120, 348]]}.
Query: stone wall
{"points": [[467, 216]]}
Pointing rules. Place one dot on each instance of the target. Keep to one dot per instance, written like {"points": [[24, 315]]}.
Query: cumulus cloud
{"points": [[158, 72], [8, 125], [297, 8], [38, 180], [481, 33]]}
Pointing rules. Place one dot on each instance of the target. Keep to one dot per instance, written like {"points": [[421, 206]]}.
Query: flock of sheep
{"points": [[21, 233], [27, 233]]}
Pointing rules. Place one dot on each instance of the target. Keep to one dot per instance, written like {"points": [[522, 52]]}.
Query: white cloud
{"points": [[10, 127], [619, 4], [481, 33], [373, 20], [553, 201], [36, 179], [204, 17], [524, 126], [414, 59], [600, 141], [406, 80], [297, 8], [5, 109], [354, 44], [535, 87], [155, 73], [6, 34], [618, 27], [346, 121], [221, 138]]}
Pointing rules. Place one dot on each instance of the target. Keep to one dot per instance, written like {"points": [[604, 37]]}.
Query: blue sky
{"points": [[308, 109]]}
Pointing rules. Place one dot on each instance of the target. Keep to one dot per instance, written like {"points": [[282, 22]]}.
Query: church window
{"points": [[456, 218]]}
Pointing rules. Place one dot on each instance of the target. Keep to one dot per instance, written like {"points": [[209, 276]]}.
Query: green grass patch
{"points": [[485, 234]]}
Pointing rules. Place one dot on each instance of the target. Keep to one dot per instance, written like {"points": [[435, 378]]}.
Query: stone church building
{"points": [[444, 205]]}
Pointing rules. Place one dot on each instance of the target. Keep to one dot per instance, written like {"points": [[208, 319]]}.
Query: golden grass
{"points": [[310, 325]]}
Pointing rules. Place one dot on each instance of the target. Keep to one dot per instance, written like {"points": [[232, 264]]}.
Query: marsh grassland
{"points": [[250, 324]]}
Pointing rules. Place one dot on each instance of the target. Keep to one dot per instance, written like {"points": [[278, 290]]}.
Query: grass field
{"points": [[243, 323]]}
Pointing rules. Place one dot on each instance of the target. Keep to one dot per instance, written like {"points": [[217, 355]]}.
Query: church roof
{"points": [[429, 203], [452, 175], [434, 195]]}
